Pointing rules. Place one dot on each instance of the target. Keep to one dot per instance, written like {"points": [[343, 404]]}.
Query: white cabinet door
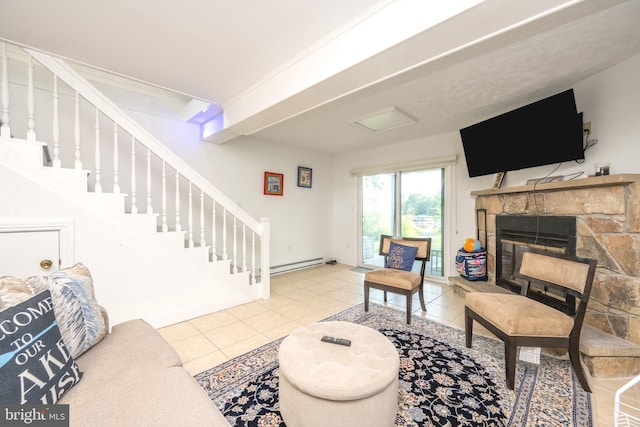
{"points": [[29, 253]]}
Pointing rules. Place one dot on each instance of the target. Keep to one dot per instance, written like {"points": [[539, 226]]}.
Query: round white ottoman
{"points": [[330, 385]]}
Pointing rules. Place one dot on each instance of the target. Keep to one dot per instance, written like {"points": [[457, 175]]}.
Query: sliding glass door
{"points": [[406, 203]]}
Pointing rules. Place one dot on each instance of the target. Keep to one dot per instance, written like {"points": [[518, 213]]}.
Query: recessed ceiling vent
{"points": [[390, 118]]}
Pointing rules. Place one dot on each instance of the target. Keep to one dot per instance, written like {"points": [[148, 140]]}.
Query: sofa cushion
{"points": [[168, 397], [77, 310], [133, 349], [401, 257], [35, 365]]}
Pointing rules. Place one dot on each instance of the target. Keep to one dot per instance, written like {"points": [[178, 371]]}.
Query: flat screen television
{"points": [[542, 133]]}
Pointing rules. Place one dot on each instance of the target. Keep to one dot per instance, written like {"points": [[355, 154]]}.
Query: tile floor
{"points": [[305, 296]]}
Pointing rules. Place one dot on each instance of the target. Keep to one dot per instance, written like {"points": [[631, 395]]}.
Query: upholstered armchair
{"points": [[520, 320], [397, 276]]}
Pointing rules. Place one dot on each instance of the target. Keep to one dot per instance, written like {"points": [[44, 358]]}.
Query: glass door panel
{"points": [[378, 214], [411, 202], [421, 206]]}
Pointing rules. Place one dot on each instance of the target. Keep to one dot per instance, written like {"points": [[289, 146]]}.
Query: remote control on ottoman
{"points": [[334, 340]]}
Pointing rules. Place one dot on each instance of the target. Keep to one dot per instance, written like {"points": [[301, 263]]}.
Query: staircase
{"points": [[162, 242]]}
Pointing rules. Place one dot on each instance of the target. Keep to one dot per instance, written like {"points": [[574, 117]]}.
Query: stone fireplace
{"points": [[596, 217]]}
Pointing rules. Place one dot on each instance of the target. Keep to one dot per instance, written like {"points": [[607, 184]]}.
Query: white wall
{"points": [[610, 100]]}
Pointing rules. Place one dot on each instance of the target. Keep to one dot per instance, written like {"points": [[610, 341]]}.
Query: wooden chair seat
{"points": [[541, 320], [395, 278]]}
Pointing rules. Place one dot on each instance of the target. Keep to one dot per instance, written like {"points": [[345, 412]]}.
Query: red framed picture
{"points": [[273, 183]]}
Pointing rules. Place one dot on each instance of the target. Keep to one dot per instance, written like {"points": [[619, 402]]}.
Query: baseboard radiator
{"points": [[298, 265]]}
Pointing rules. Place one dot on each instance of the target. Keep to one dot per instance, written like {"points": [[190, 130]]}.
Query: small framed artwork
{"points": [[273, 183], [499, 178], [304, 177]]}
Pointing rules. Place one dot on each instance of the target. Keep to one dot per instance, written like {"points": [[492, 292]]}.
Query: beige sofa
{"points": [[132, 377]]}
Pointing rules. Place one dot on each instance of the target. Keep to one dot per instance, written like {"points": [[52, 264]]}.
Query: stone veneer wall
{"points": [[608, 227]]}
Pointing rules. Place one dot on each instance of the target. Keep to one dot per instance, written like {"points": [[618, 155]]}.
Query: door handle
{"points": [[46, 264]]}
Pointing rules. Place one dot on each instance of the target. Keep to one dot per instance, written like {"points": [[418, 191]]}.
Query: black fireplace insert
{"points": [[552, 233]]}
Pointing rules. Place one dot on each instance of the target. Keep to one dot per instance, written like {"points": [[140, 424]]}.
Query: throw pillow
{"points": [[401, 257], [13, 291], [77, 310], [35, 365]]}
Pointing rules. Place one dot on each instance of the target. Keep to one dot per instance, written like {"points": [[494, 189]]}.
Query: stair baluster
{"points": [[134, 202], [235, 246], [244, 247], [56, 163], [77, 154], [203, 241], [98, 182], [31, 118], [149, 205], [224, 234], [252, 280], [178, 225], [214, 256], [5, 131], [116, 178], [165, 227], [191, 245]]}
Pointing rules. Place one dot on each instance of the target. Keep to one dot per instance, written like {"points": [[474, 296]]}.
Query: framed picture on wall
{"points": [[498, 181], [304, 177], [273, 184]]}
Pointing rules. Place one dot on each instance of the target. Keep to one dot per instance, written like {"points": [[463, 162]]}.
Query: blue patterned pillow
{"points": [[401, 257], [35, 365], [77, 310]]}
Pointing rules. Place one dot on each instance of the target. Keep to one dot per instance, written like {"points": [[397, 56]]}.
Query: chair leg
{"points": [[366, 297], [421, 295], [510, 350], [468, 327], [574, 356], [409, 298]]}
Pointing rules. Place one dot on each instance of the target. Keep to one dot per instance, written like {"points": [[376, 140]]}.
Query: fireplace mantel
{"points": [[592, 181]]}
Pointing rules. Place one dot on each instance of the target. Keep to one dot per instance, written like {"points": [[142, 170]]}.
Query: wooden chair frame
{"points": [[570, 342], [408, 293]]}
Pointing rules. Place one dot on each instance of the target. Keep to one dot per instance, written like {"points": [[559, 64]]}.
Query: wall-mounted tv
{"points": [[542, 133]]}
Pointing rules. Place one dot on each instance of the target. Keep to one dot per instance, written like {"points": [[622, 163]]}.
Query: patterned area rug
{"points": [[442, 383]]}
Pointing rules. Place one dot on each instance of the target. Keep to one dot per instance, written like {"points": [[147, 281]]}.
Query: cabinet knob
{"points": [[46, 264]]}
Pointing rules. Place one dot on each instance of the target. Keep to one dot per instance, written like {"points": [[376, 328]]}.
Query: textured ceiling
{"points": [[475, 84], [217, 50]]}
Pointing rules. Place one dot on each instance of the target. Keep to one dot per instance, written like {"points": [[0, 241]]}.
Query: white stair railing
{"points": [[92, 110]]}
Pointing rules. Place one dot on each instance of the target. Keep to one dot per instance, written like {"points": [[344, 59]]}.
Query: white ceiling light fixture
{"points": [[390, 118]]}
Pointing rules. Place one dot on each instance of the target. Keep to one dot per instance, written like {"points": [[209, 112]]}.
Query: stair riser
{"points": [[20, 154]]}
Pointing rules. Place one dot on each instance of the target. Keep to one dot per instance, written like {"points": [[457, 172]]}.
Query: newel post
{"points": [[264, 291]]}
